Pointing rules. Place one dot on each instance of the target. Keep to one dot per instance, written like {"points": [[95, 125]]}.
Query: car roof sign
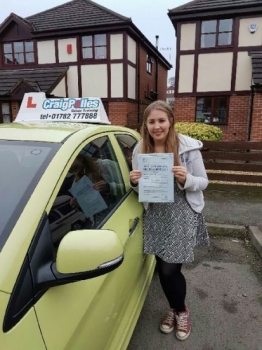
{"points": [[36, 107]]}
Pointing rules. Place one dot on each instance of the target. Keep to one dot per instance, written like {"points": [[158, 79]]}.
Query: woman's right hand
{"points": [[135, 176], [73, 203]]}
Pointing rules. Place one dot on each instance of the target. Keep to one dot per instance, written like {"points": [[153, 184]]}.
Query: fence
{"points": [[233, 161]]}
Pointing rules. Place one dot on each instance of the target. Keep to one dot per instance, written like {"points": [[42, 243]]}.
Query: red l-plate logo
{"points": [[30, 103]]}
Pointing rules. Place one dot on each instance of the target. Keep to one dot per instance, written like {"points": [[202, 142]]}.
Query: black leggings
{"points": [[173, 283]]}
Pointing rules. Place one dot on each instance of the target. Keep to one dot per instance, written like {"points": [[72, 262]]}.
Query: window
{"points": [[94, 46], [212, 110], [19, 52], [5, 112], [22, 165], [90, 191], [216, 33], [149, 64], [127, 144]]}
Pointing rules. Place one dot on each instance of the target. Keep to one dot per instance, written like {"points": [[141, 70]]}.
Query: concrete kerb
{"points": [[256, 238], [253, 232]]}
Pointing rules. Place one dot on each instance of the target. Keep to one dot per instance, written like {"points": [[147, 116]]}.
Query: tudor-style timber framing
{"points": [[115, 78], [221, 70]]}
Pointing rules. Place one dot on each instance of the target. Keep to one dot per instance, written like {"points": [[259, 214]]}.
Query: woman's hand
{"points": [[135, 176], [101, 186], [73, 203], [180, 173]]}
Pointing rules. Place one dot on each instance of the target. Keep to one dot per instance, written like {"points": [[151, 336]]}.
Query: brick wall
{"points": [[162, 82], [132, 114], [237, 127], [185, 109], [123, 113], [256, 131], [148, 81], [117, 113]]}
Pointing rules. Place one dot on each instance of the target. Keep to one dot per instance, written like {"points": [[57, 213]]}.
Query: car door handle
{"points": [[135, 223]]}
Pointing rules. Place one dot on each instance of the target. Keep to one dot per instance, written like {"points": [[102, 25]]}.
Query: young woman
{"points": [[172, 230]]}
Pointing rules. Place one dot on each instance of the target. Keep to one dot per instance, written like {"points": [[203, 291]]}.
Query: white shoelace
{"points": [[170, 316], [182, 322]]}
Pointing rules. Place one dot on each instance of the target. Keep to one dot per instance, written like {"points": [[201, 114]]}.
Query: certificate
{"points": [[157, 182], [89, 199]]}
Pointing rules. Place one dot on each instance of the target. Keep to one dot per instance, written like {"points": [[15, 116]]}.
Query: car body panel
{"points": [[104, 288], [13, 253], [26, 335], [121, 338], [46, 132], [95, 294], [70, 316]]}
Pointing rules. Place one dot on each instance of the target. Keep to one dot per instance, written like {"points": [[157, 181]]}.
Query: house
{"points": [[170, 93], [219, 65], [80, 49]]}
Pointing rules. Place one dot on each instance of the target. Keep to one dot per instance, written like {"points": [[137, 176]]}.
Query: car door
{"points": [[88, 314]]}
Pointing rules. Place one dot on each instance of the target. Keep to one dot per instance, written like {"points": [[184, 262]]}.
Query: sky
{"points": [[149, 16]]}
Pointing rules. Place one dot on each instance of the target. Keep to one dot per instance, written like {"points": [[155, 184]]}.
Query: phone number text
{"points": [[69, 116]]}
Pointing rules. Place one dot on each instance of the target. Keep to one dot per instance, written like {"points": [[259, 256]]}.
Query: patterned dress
{"points": [[172, 230]]}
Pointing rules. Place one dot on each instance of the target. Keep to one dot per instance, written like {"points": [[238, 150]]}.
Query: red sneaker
{"points": [[183, 327], [168, 323]]}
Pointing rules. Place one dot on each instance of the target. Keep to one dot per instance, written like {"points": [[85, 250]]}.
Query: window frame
{"points": [[213, 109], [217, 32], [24, 52], [123, 145], [84, 149], [4, 114], [149, 64], [93, 47]]}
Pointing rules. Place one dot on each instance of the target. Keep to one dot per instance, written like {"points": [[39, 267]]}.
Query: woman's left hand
{"points": [[180, 173], [101, 186]]}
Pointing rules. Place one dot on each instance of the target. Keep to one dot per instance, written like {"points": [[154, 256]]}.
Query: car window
{"points": [[90, 191], [21, 166], [127, 144]]}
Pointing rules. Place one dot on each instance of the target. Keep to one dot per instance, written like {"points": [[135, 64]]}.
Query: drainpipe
{"points": [[138, 83], [251, 108], [157, 38], [157, 78]]}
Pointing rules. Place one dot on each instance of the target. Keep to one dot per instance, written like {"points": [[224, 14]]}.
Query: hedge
{"points": [[199, 131]]}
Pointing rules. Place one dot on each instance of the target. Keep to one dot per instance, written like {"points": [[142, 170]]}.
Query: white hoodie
{"points": [[196, 179]]}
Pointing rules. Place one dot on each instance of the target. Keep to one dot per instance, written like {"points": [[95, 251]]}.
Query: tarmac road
{"points": [[224, 298]]}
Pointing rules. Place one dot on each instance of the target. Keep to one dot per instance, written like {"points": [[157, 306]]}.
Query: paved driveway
{"points": [[224, 297]]}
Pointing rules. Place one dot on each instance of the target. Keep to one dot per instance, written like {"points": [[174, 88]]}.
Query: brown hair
{"points": [[172, 139], [91, 166]]}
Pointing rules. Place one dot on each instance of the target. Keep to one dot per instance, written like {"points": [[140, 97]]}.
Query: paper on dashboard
{"points": [[157, 182], [90, 200]]}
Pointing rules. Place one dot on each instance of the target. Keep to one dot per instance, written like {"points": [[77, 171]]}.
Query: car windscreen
{"points": [[21, 166]]}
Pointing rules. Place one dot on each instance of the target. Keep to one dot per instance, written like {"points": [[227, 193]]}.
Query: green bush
{"points": [[199, 131]]}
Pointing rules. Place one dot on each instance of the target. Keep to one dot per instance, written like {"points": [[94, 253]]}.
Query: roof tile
{"points": [[45, 78], [204, 5], [75, 14], [256, 57]]}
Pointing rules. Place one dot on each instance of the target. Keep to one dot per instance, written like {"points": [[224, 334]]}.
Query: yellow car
{"points": [[73, 273]]}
